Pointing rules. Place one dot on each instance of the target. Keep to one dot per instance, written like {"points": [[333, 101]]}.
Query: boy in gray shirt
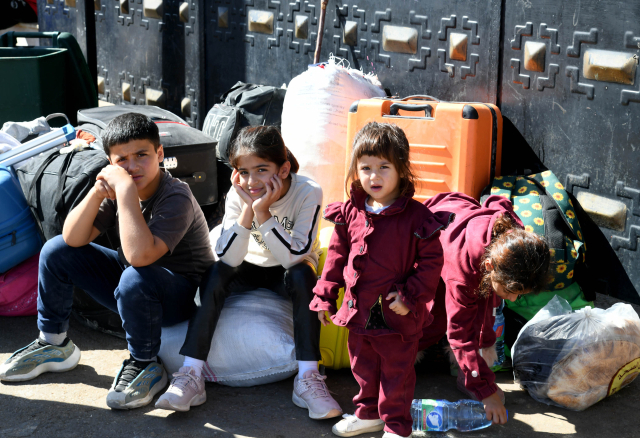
{"points": [[150, 281]]}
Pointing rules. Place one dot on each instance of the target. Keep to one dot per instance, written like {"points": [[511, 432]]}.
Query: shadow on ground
{"points": [[72, 404]]}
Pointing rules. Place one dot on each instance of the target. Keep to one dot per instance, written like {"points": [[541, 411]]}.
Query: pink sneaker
{"points": [[186, 390], [312, 393]]}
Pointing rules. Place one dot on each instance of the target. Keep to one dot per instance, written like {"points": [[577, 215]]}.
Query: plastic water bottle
{"points": [[498, 327], [441, 415]]}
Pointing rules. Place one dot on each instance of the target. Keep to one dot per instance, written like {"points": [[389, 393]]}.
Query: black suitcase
{"points": [[189, 154]]}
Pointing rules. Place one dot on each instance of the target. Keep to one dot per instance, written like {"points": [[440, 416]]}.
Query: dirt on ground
{"points": [[72, 404]]}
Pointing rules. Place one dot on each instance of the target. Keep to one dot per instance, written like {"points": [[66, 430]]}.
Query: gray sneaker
{"points": [[136, 384], [186, 390], [39, 357]]}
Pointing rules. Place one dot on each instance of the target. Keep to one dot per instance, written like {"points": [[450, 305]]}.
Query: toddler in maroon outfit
{"points": [[385, 252]]}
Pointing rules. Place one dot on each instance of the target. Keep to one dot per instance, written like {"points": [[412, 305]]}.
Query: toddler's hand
{"points": [[398, 306], [323, 318]]}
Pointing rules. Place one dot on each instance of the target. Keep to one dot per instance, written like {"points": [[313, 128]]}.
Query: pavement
{"points": [[73, 404]]}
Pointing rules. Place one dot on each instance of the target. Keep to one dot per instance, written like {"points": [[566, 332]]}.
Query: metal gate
{"points": [[563, 73]]}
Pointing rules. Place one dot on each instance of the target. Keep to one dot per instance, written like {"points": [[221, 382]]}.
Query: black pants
{"points": [[13, 12], [221, 280]]}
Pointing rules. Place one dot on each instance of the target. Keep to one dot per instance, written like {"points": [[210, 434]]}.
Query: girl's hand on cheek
{"points": [[235, 181], [274, 190], [398, 306]]}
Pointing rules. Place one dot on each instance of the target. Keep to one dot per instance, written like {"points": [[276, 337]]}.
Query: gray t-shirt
{"points": [[173, 215]]}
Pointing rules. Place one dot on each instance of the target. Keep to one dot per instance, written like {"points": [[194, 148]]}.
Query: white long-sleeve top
{"points": [[287, 238]]}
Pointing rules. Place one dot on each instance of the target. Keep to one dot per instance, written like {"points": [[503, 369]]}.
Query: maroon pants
{"points": [[435, 331], [383, 367]]}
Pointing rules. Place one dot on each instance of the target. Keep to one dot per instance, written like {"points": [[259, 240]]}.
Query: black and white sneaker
{"points": [[136, 384]]}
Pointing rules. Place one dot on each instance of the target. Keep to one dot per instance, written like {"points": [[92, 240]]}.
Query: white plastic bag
{"points": [[314, 121], [252, 345], [574, 360]]}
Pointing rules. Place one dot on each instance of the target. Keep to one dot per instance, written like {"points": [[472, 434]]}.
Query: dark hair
{"points": [[386, 141], [130, 126], [264, 142], [520, 259]]}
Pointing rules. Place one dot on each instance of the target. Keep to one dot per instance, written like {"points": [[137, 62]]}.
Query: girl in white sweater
{"points": [[268, 241]]}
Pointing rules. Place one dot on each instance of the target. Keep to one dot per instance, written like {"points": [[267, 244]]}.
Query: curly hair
{"points": [[521, 260]]}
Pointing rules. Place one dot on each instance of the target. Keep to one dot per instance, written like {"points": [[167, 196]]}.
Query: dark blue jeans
{"points": [[146, 298]]}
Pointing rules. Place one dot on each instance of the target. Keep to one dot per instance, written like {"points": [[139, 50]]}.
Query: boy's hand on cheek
{"points": [[104, 190], [398, 306], [116, 177]]}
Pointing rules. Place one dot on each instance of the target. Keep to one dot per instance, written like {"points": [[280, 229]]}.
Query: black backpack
{"points": [[55, 183], [244, 105]]}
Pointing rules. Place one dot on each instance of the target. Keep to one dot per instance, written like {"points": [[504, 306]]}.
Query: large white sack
{"points": [[252, 345], [314, 121], [253, 342]]}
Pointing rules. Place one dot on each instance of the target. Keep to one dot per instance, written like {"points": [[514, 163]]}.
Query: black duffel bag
{"points": [[55, 183], [243, 105]]}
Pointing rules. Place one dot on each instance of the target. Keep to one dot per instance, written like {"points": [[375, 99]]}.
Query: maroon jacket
{"points": [[470, 318], [374, 254]]}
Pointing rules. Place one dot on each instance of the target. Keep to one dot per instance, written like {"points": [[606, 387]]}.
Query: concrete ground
{"points": [[73, 404]]}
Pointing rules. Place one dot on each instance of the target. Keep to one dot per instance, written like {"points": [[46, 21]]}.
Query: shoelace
{"points": [[35, 345], [181, 381], [350, 418], [132, 368], [317, 386]]}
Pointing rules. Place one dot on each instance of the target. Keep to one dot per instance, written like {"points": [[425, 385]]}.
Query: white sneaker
{"points": [[351, 425]]}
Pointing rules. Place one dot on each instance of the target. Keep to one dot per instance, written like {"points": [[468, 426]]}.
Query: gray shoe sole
{"points": [[197, 400], [53, 367], [299, 402], [116, 400]]}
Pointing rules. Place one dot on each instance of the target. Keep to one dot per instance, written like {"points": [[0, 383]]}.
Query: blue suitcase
{"points": [[19, 236]]}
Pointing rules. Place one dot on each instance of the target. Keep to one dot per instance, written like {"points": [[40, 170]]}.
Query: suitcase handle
{"points": [[9, 39], [421, 97], [393, 110]]}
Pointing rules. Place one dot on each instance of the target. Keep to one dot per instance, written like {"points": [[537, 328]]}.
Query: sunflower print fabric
{"points": [[525, 197]]}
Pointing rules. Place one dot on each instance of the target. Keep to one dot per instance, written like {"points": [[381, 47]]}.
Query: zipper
{"points": [[381, 311]]}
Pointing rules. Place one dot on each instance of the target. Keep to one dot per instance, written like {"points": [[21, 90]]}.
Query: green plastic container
{"points": [[32, 83], [38, 81]]}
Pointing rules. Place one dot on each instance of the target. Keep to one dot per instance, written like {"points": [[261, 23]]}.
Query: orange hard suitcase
{"points": [[454, 146]]}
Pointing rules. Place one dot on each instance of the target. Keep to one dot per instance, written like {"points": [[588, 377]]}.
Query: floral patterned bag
{"points": [[544, 207]]}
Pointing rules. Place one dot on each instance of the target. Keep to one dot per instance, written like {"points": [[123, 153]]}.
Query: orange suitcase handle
{"points": [[428, 109]]}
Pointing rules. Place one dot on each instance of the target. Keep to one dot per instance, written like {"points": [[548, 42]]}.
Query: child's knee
{"points": [[302, 276], [55, 247], [136, 283]]}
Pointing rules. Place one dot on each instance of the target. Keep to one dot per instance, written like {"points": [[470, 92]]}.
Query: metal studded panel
{"points": [[71, 16], [150, 52], [569, 86], [407, 44]]}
